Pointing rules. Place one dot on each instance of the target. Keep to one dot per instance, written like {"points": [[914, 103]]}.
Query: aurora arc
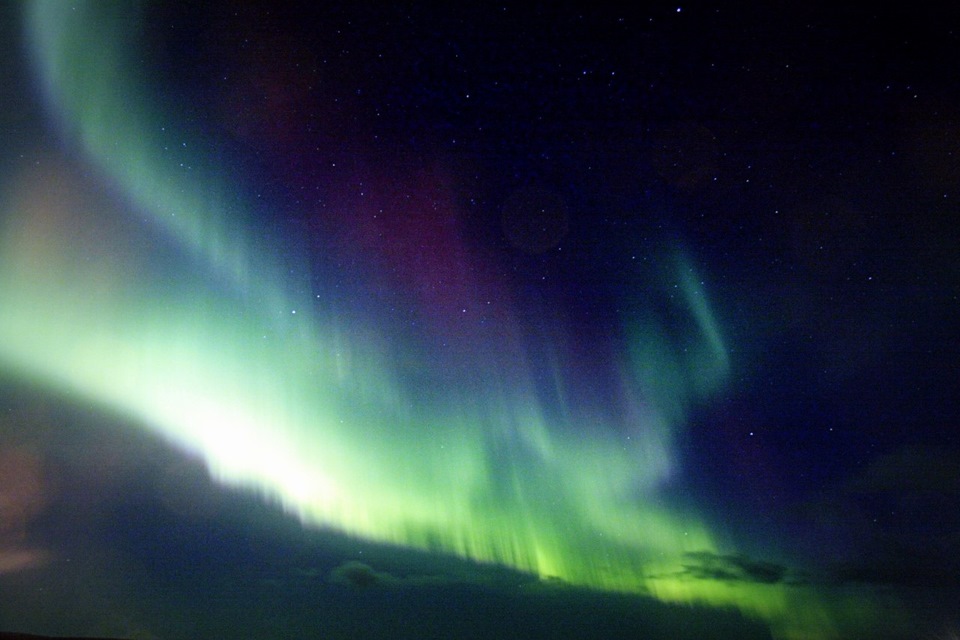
{"points": [[315, 411]]}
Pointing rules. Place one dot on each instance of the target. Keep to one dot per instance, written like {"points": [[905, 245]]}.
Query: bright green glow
{"points": [[86, 57], [272, 414], [311, 411], [280, 416]]}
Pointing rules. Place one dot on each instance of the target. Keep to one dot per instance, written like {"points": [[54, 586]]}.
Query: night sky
{"points": [[518, 320]]}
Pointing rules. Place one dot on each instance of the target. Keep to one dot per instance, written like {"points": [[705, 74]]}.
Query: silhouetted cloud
{"points": [[934, 562], [909, 501], [731, 568], [912, 470], [360, 575], [363, 576]]}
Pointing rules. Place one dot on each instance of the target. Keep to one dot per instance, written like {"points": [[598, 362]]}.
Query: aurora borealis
{"points": [[392, 357], [291, 417]]}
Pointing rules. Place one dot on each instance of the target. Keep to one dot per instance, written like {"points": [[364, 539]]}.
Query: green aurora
{"points": [[312, 408]]}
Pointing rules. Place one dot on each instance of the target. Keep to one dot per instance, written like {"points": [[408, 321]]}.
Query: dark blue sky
{"points": [[806, 160]]}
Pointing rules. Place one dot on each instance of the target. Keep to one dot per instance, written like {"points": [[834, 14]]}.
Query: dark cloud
{"points": [[898, 518], [704, 565], [912, 470], [892, 560], [360, 575], [363, 576]]}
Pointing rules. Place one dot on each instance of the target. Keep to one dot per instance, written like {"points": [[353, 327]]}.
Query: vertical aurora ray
{"points": [[320, 417]]}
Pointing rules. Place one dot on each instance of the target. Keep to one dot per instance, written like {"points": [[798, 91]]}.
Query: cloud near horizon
{"points": [[704, 565]]}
